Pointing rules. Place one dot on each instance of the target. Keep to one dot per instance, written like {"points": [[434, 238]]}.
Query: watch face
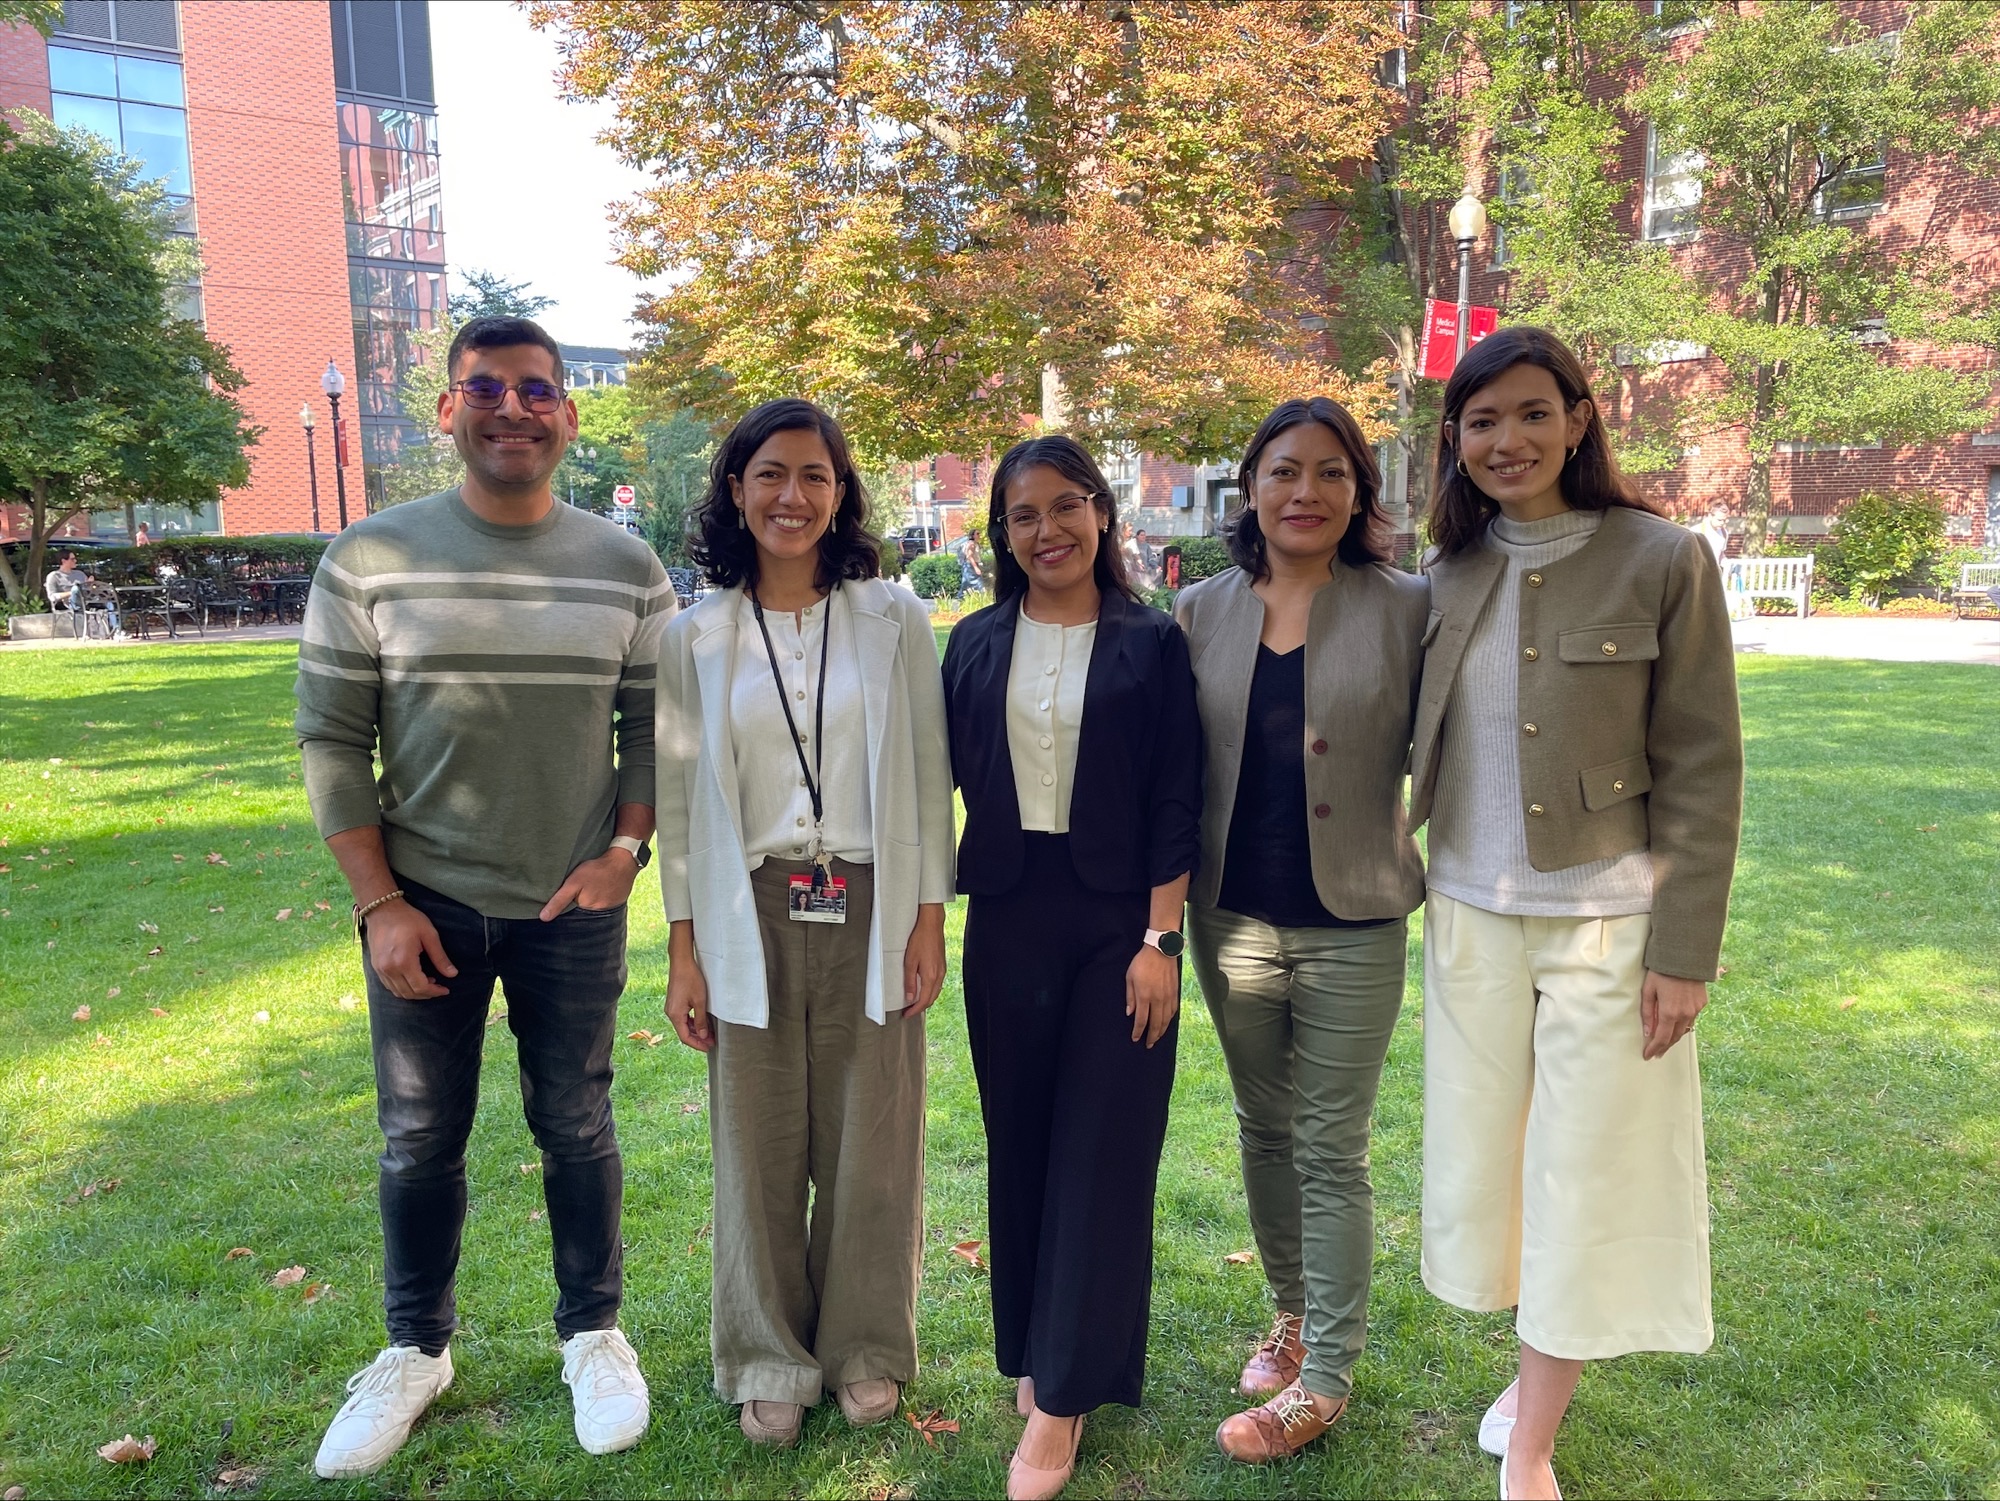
{"points": [[1171, 944]]}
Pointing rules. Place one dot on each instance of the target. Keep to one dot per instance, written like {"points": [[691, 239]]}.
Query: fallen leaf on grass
{"points": [[1240, 1258], [17, 1493], [968, 1252], [149, 927], [1927, 828], [81, 1014], [91, 1190], [534, 1216], [497, 1017], [289, 1276], [349, 1003], [214, 858], [154, 952], [101, 1041], [315, 1291], [691, 1108], [158, 1010], [235, 1480], [283, 914], [324, 906], [112, 993], [932, 1424], [215, 909], [650, 1039], [261, 1018], [128, 1450], [1849, 1002], [528, 1168], [237, 1253]]}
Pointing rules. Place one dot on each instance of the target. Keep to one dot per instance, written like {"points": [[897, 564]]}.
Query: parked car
{"points": [[914, 541]]}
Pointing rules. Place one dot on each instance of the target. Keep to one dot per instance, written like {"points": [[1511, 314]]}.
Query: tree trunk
{"points": [[1757, 502], [9, 582]]}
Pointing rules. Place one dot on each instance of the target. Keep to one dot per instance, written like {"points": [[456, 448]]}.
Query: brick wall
{"points": [[24, 70], [263, 139]]}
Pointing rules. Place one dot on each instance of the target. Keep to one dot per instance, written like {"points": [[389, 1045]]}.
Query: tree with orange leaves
{"points": [[940, 218]]}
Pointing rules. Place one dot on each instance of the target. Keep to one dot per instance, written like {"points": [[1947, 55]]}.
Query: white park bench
{"points": [[1771, 578], [1974, 595]]}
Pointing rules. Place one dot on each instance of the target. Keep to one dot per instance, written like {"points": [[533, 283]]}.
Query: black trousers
{"points": [[1076, 1115], [563, 979]]}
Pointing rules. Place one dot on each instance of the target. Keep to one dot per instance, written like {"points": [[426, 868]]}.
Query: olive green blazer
{"points": [[1630, 734], [1364, 659]]}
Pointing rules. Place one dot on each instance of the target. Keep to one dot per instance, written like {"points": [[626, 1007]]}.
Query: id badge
{"points": [[828, 904]]}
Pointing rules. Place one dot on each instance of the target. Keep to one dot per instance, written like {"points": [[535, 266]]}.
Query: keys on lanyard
{"points": [[823, 881]]}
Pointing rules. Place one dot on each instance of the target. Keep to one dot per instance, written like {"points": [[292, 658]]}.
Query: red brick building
{"points": [[299, 142]]}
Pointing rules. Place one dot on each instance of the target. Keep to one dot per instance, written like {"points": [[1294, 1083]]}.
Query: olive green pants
{"points": [[1304, 1016], [816, 1122]]}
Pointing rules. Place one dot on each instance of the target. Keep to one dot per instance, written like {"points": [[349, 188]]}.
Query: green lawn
{"points": [[222, 1081]]}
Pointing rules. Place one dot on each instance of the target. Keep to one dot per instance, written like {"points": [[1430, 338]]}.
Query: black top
{"points": [[1267, 866], [1135, 803]]}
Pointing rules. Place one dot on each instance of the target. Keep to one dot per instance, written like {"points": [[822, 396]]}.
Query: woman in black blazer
{"points": [[1076, 743]]}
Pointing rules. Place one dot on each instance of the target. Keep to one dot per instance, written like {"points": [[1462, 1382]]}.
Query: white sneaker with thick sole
{"points": [[1496, 1427], [383, 1401], [612, 1405]]}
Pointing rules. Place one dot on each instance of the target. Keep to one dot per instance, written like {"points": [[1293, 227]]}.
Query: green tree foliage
{"points": [[935, 217], [106, 398], [1788, 105], [673, 480], [1881, 539], [488, 294], [40, 14]]}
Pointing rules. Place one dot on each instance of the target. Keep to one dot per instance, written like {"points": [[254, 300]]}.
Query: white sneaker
{"points": [[1496, 1427], [385, 1400], [612, 1407]]}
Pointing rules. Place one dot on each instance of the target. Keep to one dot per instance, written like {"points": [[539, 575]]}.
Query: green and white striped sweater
{"points": [[496, 666]]}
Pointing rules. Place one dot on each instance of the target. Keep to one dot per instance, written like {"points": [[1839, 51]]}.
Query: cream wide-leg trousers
{"points": [[1563, 1173]]}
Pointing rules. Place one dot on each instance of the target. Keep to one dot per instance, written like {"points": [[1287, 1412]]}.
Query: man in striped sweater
{"points": [[498, 651]]}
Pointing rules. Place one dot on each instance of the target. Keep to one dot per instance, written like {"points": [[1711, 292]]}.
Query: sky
{"points": [[526, 183]]}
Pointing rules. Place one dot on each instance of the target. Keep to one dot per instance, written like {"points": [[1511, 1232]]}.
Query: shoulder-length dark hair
{"points": [[1366, 538], [1073, 462], [1460, 511], [727, 552]]}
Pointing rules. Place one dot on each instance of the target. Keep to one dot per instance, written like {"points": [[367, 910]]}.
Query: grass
{"points": [[1851, 1060]]}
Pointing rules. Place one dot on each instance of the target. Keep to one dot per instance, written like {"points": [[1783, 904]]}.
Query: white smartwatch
{"points": [[1167, 941], [636, 848]]}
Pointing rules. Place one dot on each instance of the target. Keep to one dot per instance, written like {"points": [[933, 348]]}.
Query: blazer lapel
{"points": [[1459, 593], [876, 638], [1228, 663], [1107, 661], [714, 652]]}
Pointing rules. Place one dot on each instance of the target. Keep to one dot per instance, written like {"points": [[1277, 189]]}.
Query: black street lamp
{"points": [[1468, 222], [333, 384], [312, 464]]}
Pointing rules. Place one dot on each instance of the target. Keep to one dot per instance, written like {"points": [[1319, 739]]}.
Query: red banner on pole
{"points": [[1439, 353], [340, 441]]}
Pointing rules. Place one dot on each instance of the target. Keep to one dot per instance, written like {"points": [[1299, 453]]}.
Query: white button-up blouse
{"points": [[1045, 684]]}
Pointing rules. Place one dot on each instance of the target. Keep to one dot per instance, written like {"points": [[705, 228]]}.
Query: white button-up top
{"points": [[1045, 686]]}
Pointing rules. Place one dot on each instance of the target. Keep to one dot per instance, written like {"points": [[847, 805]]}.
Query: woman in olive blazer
{"points": [[1579, 757], [1306, 659]]}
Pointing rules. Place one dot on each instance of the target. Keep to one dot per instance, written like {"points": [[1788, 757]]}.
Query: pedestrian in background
{"points": [[805, 834], [498, 649], [1307, 656], [1076, 744], [1580, 758]]}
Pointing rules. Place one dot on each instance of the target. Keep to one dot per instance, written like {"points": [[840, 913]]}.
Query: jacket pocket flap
{"points": [[1605, 785], [1431, 627], [1637, 642]]}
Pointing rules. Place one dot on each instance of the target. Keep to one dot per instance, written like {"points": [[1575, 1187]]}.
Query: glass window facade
{"points": [[395, 265], [135, 103]]}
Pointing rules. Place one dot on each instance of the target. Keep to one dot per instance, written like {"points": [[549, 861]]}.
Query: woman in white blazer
{"points": [[805, 821]]}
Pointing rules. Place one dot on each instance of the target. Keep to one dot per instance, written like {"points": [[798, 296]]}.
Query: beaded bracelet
{"points": [[361, 912]]}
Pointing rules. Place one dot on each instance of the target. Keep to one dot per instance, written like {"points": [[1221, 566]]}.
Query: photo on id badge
{"points": [[827, 904]]}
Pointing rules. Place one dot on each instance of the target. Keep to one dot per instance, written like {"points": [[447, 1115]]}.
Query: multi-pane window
{"points": [[390, 183], [1121, 471], [1859, 189], [1517, 187], [1673, 190], [135, 103]]}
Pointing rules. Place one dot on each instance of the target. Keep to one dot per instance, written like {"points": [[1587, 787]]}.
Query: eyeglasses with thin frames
{"points": [[1068, 513], [488, 393]]}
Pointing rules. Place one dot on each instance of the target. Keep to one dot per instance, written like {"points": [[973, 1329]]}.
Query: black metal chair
{"points": [[218, 597]]}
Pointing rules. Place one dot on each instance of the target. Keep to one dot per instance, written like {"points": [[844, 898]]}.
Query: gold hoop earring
{"points": [[1462, 469], [1572, 454]]}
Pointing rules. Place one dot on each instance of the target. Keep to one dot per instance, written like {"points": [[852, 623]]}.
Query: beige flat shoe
{"points": [[773, 1424], [1026, 1482], [865, 1403]]}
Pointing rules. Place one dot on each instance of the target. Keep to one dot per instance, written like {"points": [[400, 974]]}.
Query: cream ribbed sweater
{"points": [[1478, 840]]}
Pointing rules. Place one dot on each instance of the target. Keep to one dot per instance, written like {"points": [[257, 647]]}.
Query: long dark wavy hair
{"points": [[1366, 539], [724, 550], [1073, 462], [1460, 511]]}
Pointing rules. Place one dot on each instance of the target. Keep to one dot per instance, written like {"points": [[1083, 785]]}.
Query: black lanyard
{"points": [[810, 773]]}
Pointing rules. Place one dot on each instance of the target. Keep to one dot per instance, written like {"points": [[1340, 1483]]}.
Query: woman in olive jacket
{"points": [[1579, 757], [1306, 661]]}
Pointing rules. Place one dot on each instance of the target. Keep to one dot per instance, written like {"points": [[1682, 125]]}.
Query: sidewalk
{"points": [[1877, 640], [187, 637]]}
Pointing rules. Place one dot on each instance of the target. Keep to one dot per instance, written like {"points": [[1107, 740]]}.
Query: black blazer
{"points": [[1135, 807]]}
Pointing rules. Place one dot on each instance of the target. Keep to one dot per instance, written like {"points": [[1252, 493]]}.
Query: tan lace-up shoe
{"points": [[1275, 1364], [1277, 1430]]}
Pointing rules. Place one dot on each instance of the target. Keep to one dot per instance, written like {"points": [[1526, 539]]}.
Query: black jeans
{"points": [[563, 980], [1076, 1116]]}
